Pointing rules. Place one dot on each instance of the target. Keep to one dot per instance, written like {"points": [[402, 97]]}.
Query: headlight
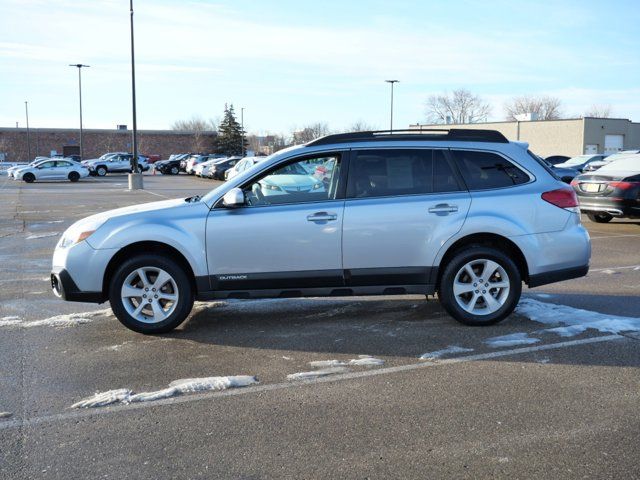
{"points": [[80, 231]]}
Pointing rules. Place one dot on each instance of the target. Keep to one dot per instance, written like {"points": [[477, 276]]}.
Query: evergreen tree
{"points": [[231, 138]]}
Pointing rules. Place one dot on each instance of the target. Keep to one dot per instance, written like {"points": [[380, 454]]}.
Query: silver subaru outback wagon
{"points": [[464, 214]]}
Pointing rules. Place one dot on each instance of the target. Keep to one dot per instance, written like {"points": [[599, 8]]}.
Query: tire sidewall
{"points": [[74, 176], [185, 291], [174, 170], [447, 297], [101, 171], [29, 177]]}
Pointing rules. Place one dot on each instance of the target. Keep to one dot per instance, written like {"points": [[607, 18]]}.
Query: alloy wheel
{"points": [[149, 294], [481, 287]]}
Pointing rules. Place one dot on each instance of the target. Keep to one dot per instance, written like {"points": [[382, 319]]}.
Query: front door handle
{"points": [[322, 217], [443, 208]]}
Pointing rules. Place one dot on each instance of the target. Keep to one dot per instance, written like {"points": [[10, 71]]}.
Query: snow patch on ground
{"points": [[9, 321], [6, 414], [60, 321], [521, 338], [316, 373], [42, 235], [570, 321], [608, 271], [361, 361], [451, 349], [177, 387], [544, 295]]}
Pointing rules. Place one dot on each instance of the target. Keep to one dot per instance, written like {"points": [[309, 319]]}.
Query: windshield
{"points": [[617, 156], [578, 160]]}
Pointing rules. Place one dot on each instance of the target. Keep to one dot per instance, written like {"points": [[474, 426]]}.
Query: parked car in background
{"points": [[172, 165], [580, 162], [564, 174], [12, 170], [114, 163], [202, 169], [243, 164], [593, 166], [192, 161], [74, 156], [611, 191], [219, 168], [151, 159], [59, 169], [554, 159]]}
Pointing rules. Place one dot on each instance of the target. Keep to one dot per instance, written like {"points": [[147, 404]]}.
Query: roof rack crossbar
{"points": [[433, 134]]}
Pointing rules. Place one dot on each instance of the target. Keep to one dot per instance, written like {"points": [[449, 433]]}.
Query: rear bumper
{"points": [[557, 276], [64, 287], [616, 208]]}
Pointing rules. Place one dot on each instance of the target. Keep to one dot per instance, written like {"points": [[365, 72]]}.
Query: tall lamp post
{"points": [[242, 130], [79, 66], [391, 82], [26, 111], [135, 178]]}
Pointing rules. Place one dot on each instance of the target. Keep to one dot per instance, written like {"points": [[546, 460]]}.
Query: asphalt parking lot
{"points": [[539, 395]]}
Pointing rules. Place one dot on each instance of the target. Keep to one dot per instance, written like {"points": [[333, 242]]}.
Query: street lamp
{"points": [[26, 111], [79, 66], [391, 82], [242, 131], [135, 180]]}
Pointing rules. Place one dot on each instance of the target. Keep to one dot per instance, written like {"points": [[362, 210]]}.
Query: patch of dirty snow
{"points": [[361, 361], [102, 399], [316, 373], [177, 387], [520, 338], [42, 235], [6, 414], [451, 349], [10, 320], [570, 321], [608, 271], [544, 295], [67, 320]]}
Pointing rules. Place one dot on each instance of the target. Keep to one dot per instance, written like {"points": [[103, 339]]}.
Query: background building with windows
{"points": [[573, 136]]}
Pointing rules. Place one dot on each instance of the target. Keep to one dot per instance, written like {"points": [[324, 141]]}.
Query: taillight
{"points": [[624, 185], [562, 198], [574, 183]]}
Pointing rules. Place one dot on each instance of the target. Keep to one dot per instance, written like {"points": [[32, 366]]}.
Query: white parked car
{"points": [[61, 169], [202, 169], [245, 164], [11, 170]]}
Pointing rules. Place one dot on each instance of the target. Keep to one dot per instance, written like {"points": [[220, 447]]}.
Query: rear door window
{"points": [[487, 170]]}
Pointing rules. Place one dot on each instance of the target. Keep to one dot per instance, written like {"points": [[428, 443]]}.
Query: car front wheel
{"points": [[480, 286], [151, 294], [101, 171], [29, 177], [74, 176], [174, 171]]}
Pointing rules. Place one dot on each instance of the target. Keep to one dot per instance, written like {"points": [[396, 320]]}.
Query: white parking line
{"points": [[614, 268], [71, 415], [616, 236], [156, 194]]}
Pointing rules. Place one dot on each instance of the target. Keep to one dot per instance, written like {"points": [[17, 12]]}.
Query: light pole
{"points": [[242, 131], [135, 180], [79, 66], [391, 82], [26, 111]]}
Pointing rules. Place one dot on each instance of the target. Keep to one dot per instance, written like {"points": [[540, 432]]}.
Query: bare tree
{"points": [[194, 124], [360, 126], [544, 107], [598, 111], [310, 132], [461, 106]]}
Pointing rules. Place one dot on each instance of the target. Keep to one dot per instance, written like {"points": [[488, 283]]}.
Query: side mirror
{"points": [[233, 198]]}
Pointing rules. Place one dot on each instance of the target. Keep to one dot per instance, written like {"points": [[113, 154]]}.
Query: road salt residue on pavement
{"points": [[177, 387], [6, 414], [9, 321], [42, 235], [451, 349]]}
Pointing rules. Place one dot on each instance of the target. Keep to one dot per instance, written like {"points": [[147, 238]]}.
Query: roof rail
{"points": [[431, 134]]}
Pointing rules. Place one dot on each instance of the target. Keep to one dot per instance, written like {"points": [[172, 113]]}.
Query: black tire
{"points": [[29, 177], [459, 260], [101, 171], [174, 170], [74, 176], [600, 217], [185, 292]]}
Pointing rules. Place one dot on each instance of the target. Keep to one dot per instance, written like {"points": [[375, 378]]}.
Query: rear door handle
{"points": [[322, 217], [443, 208]]}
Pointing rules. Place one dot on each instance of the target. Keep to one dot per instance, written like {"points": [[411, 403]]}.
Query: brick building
{"points": [[44, 141]]}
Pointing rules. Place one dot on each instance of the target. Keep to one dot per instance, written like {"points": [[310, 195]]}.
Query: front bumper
{"points": [[64, 287]]}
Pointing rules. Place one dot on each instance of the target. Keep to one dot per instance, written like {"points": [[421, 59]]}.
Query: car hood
{"points": [[92, 161]]}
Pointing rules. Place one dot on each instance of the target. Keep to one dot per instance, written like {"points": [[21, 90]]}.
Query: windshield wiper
{"points": [[195, 198]]}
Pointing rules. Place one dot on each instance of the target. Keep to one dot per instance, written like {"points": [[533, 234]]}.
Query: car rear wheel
{"points": [[600, 217], [101, 171], [74, 176], [480, 286], [29, 177], [151, 294]]}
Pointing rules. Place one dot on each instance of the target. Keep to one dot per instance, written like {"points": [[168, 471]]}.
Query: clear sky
{"points": [[290, 63]]}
